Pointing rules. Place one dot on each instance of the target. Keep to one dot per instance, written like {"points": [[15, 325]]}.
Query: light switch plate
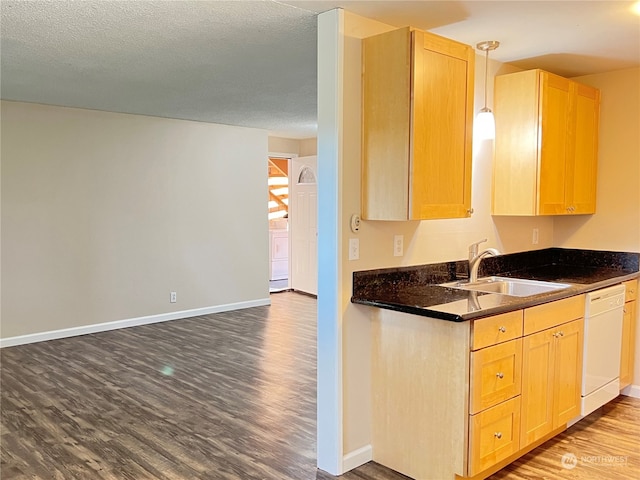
{"points": [[354, 249]]}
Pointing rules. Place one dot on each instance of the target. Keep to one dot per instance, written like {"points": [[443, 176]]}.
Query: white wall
{"points": [[104, 214]]}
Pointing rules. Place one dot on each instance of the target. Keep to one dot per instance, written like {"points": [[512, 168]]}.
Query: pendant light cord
{"points": [[486, 47], [486, 76]]}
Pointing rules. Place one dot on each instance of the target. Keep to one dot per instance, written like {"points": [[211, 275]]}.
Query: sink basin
{"points": [[516, 287]]}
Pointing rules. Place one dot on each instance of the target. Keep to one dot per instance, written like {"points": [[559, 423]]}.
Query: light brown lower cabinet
{"points": [[495, 374], [494, 435], [551, 379], [629, 321], [462, 400]]}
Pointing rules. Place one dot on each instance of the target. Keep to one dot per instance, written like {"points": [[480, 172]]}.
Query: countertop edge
{"points": [[526, 302]]}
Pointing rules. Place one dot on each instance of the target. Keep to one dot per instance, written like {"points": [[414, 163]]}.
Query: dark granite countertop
{"points": [[417, 289]]}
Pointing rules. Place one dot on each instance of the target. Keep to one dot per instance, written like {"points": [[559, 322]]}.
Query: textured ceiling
{"points": [[253, 63], [248, 63]]}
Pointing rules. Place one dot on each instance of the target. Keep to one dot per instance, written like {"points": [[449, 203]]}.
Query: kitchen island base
{"points": [[452, 400], [420, 382]]}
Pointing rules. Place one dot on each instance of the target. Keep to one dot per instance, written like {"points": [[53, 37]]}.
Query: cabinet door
{"points": [[568, 346], [554, 112], [440, 169], [494, 435], [495, 374], [515, 163], [628, 344], [537, 386], [581, 168]]}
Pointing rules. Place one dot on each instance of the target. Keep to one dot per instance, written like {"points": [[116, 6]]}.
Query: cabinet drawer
{"points": [[631, 292], [548, 315], [494, 435], [496, 329], [495, 374]]}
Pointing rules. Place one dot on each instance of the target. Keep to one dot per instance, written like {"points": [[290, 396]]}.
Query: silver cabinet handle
{"points": [[498, 435], [502, 329], [500, 375]]}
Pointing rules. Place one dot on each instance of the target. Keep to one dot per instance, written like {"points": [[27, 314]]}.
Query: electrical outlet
{"points": [[354, 249], [398, 245], [173, 297], [534, 237]]}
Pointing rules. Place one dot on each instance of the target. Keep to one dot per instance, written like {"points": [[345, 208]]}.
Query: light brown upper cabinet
{"points": [[546, 145], [417, 126]]}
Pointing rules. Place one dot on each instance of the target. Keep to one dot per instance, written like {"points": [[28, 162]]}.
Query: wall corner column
{"points": [[329, 344]]}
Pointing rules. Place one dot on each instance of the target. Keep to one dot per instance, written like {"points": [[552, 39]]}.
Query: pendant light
{"points": [[485, 126]]}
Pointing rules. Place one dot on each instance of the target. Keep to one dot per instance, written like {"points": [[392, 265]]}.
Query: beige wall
{"points": [[616, 223], [284, 145], [424, 242], [308, 147], [104, 214], [302, 147]]}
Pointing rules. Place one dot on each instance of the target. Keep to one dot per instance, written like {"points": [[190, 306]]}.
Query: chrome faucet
{"points": [[475, 258]]}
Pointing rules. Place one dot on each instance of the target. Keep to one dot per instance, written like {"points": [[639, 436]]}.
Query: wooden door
{"points": [[568, 346], [537, 386], [303, 221], [582, 164], [441, 129], [554, 112]]}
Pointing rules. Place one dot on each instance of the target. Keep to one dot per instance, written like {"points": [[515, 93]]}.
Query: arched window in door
{"points": [[307, 176]]}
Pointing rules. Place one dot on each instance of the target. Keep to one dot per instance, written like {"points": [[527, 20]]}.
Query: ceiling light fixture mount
{"points": [[485, 123]]}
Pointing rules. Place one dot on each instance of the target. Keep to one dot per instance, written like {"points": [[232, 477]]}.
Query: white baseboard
{"points": [[356, 458], [631, 391], [129, 322]]}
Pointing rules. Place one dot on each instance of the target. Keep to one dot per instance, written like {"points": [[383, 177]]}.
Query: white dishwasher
{"points": [[602, 345]]}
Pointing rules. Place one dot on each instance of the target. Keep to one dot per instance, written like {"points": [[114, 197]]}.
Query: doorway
{"points": [[278, 207], [293, 223], [303, 210]]}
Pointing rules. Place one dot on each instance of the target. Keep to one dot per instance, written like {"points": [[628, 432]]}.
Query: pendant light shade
{"points": [[485, 125]]}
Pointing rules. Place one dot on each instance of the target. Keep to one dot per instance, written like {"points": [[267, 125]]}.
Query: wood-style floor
{"points": [[224, 396]]}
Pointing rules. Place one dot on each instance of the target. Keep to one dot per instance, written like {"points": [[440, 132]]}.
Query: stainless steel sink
{"points": [[517, 287]]}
